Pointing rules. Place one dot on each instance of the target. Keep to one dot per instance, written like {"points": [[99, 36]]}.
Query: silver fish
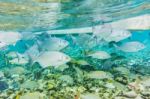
{"points": [[133, 46], [100, 55], [9, 38], [54, 44], [52, 58]]}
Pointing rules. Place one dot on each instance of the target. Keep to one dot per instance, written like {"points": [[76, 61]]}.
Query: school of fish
{"points": [[48, 51]]}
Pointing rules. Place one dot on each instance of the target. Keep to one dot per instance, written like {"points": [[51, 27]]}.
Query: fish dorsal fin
{"points": [[116, 46]]}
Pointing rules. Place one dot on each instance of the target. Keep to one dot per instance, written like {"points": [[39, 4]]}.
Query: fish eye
{"points": [[64, 58], [61, 42], [65, 42], [67, 58], [124, 33], [143, 46]]}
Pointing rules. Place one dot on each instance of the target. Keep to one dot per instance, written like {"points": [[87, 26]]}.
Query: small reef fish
{"points": [[54, 44], [99, 75], [2, 44], [16, 58], [133, 46], [82, 38], [109, 34], [52, 58], [28, 35], [102, 31], [85, 41], [100, 55], [32, 53], [19, 61], [9, 38], [27, 57], [12, 54], [117, 35]]}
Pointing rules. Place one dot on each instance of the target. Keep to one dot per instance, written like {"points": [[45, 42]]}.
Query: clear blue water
{"points": [[38, 20], [43, 15]]}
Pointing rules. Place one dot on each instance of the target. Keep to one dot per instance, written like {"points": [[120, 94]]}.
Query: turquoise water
{"points": [[74, 49], [43, 15]]}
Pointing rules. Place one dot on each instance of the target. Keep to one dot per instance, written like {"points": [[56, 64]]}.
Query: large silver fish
{"points": [[100, 55], [117, 35], [52, 58], [53, 44], [9, 38], [85, 41]]}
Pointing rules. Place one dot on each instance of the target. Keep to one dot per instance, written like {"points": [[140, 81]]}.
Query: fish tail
{"points": [[17, 56], [30, 59]]}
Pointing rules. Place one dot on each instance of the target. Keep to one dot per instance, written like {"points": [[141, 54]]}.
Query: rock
{"points": [[146, 83], [3, 95], [130, 94], [15, 76], [50, 85], [122, 70], [3, 85], [20, 61], [120, 86], [94, 89], [34, 95], [14, 85], [67, 79], [119, 97], [133, 76], [139, 97], [136, 86], [145, 93], [122, 79], [110, 85], [106, 94], [30, 85], [12, 55], [81, 89], [90, 96]]}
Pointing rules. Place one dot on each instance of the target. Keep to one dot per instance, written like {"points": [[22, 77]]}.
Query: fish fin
{"points": [[93, 37], [18, 55], [73, 40], [27, 46], [31, 60], [116, 46], [38, 45], [71, 36]]}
